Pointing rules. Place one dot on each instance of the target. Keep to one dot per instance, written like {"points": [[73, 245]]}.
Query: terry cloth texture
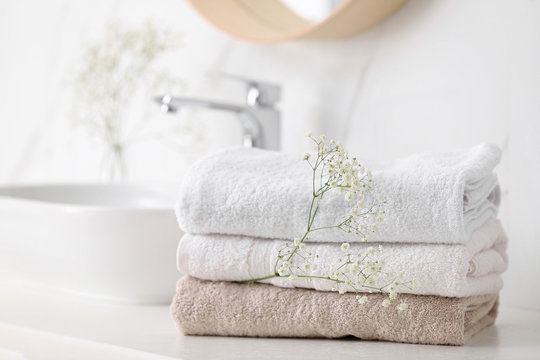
{"points": [[432, 197], [458, 270], [259, 310]]}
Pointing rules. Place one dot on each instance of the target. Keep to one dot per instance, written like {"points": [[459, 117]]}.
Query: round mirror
{"points": [[313, 10], [281, 20]]}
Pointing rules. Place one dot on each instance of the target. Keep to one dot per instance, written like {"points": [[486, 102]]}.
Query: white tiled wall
{"points": [[437, 75]]}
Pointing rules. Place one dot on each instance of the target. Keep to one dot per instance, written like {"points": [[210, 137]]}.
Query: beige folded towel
{"points": [[260, 310]]}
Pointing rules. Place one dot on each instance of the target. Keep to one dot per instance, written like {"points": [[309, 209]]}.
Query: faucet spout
{"points": [[248, 120], [259, 118], [172, 104]]}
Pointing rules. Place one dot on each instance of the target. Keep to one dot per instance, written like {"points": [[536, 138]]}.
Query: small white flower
{"points": [[313, 267], [364, 238], [379, 218], [306, 266], [348, 196], [361, 299], [302, 246], [293, 278], [386, 303], [308, 134], [306, 156], [379, 197], [283, 271], [402, 306], [380, 248], [342, 290], [323, 137], [360, 204], [355, 211], [371, 251], [296, 241], [345, 247], [392, 295]]}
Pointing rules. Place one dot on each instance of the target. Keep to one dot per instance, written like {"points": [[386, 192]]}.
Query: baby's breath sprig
{"points": [[115, 72], [333, 170]]}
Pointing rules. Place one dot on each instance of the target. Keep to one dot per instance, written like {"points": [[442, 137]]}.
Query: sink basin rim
{"points": [[46, 195]]}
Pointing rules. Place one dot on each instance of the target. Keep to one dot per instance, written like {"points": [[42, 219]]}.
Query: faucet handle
{"points": [[259, 93]]}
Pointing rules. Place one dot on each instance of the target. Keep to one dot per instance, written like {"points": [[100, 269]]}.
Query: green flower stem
{"points": [[337, 281], [257, 279], [326, 227]]}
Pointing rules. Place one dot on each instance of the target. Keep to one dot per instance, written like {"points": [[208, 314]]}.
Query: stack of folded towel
{"points": [[239, 206]]}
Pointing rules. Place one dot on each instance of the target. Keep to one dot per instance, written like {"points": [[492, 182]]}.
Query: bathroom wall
{"points": [[437, 75]]}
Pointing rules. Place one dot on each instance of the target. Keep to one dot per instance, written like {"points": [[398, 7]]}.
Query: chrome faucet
{"points": [[259, 118]]}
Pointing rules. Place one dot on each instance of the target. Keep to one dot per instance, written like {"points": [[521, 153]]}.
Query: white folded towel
{"points": [[456, 270], [432, 197]]}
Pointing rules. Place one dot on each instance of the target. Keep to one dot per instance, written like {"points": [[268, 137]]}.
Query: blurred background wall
{"points": [[436, 75]]}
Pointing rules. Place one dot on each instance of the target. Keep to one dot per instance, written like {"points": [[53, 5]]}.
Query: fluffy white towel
{"points": [[456, 270], [432, 197]]}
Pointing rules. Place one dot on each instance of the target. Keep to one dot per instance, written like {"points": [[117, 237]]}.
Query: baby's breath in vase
{"points": [[115, 71], [362, 272]]}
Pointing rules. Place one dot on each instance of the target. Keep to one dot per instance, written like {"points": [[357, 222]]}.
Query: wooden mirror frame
{"points": [[270, 21]]}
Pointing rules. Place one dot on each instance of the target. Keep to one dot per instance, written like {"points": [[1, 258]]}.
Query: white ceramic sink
{"points": [[110, 241]]}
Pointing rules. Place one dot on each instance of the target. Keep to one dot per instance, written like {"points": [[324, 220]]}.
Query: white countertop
{"points": [[52, 325]]}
